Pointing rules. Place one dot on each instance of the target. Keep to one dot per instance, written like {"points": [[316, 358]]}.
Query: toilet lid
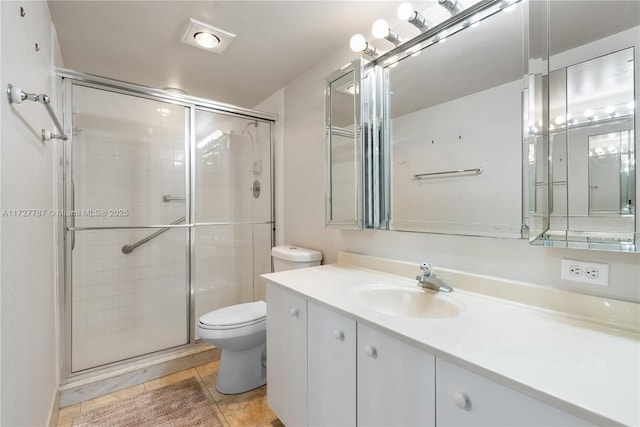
{"points": [[235, 315]]}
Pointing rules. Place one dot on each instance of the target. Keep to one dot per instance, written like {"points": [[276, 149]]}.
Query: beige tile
{"points": [[220, 415], [248, 409], [98, 402], [65, 415], [170, 379]]}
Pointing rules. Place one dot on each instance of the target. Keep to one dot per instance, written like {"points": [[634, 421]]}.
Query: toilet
{"points": [[240, 330]]}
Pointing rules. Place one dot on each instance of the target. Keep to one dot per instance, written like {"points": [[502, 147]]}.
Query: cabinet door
{"points": [[395, 382], [464, 398], [287, 355], [332, 368]]}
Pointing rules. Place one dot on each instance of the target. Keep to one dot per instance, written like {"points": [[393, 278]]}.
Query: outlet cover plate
{"points": [[594, 273]]}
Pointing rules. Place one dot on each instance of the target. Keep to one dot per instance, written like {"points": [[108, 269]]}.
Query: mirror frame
{"points": [[356, 221], [378, 117], [538, 218]]}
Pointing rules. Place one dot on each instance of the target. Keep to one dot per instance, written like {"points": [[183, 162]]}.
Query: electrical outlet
{"points": [[575, 270], [594, 273]]}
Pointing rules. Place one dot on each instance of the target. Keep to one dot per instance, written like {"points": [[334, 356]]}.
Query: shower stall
{"points": [[167, 214]]}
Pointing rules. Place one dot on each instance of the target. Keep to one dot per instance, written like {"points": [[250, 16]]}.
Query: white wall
{"points": [[28, 335], [304, 171], [304, 190], [275, 104]]}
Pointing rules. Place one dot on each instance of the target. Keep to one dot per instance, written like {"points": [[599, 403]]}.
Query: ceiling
{"points": [[138, 41], [276, 41]]}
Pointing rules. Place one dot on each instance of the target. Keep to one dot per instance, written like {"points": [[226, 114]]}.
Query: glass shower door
{"points": [[129, 278], [233, 211]]}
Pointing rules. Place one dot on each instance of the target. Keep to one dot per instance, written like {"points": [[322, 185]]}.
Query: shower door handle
{"points": [[73, 214]]}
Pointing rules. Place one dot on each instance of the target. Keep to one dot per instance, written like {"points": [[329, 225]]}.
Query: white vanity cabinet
{"points": [[396, 381], [464, 398], [331, 362], [327, 369], [287, 355]]}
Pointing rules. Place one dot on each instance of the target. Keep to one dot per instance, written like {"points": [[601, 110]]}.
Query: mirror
{"points": [[343, 148], [453, 125], [588, 175]]}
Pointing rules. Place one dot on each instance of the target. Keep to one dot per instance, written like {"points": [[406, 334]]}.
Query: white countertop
{"points": [[585, 368]]}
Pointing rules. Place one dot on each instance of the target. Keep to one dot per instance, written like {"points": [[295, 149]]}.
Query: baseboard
{"points": [[89, 388], [55, 409]]}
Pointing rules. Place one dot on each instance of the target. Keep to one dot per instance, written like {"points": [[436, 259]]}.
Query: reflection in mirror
{"points": [[455, 107], [611, 172], [342, 141], [591, 128]]}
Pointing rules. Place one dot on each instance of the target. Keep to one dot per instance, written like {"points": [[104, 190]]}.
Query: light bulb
{"points": [[405, 10], [631, 105], [559, 120], [380, 29], [206, 40], [610, 109], [358, 43], [588, 113]]}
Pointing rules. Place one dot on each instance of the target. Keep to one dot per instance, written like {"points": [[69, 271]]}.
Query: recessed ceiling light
{"points": [[206, 40], [205, 36]]}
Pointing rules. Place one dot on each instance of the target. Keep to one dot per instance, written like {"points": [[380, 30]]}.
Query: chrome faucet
{"points": [[428, 279]]}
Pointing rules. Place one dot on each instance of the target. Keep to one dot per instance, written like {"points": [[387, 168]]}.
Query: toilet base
{"points": [[241, 371]]}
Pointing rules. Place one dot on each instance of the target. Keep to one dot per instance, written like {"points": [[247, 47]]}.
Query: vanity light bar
{"points": [[458, 22]]}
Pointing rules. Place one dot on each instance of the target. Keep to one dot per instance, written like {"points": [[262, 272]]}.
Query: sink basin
{"points": [[405, 301]]}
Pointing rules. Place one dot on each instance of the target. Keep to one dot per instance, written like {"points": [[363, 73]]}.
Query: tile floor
{"points": [[241, 410]]}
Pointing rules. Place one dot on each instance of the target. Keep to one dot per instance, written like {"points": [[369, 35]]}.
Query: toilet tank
{"points": [[289, 257]]}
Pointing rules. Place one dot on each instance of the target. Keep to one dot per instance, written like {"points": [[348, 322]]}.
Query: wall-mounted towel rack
{"points": [[17, 95], [476, 171], [169, 198]]}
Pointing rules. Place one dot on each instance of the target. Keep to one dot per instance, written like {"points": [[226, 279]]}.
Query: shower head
{"points": [[253, 123]]}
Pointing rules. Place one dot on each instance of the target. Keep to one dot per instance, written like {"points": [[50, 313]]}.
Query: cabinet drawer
{"points": [[464, 398]]}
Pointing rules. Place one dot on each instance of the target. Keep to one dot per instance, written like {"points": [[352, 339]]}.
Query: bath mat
{"points": [[180, 404]]}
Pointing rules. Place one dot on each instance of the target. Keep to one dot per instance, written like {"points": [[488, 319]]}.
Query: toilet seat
{"points": [[235, 316]]}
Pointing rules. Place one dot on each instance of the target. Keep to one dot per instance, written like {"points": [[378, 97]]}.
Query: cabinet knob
{"points": [[461, 399], [295, 312], [338, 334], [371, 351]]}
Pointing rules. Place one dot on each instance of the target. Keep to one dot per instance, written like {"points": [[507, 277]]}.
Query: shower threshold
{"points": [[107, 380]]}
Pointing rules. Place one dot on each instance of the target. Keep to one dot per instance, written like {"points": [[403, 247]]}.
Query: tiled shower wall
{"points": [[230, 258], [128, 153]]}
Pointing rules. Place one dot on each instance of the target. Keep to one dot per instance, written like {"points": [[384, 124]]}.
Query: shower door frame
{"points": [[66, 79]]}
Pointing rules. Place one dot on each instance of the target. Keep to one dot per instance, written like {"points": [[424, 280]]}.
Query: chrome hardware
{"points": [[17, 95], [127, 249], [169, 198], [476, 171], [256, 189], [428, 279]]}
